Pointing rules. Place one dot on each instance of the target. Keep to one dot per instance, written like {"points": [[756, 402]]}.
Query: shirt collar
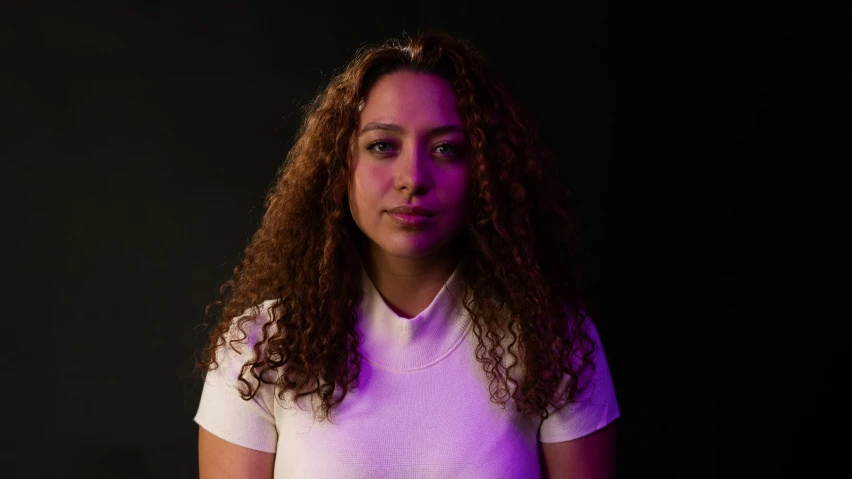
{"points": [[402, 344]]}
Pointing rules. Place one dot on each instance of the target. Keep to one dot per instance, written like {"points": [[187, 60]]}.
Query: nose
{"points": [[411, 172]]}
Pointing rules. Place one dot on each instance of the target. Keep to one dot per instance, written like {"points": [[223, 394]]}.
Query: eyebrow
{"points": [[438, 130]]}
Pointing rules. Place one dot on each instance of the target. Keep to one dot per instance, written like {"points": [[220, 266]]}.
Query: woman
{"points": [[417, 225]]}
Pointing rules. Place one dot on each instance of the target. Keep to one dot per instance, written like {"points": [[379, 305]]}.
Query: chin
{"points": [[409, 249], [409, 252]]}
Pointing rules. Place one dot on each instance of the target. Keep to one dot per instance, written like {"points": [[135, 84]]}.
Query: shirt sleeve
{"points": [[222, 411], [596, 406]]}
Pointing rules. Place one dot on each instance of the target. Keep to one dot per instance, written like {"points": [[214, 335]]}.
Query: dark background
{"points": [[705, 147]]}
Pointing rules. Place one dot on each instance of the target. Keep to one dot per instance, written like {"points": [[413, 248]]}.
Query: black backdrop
{"points": [[702, 146]]}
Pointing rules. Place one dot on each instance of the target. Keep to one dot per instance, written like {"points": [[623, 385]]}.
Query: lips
{"points": [[411, 210]]}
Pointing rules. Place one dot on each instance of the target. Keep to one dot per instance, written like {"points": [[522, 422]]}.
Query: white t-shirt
{"points": [[422, 408]]}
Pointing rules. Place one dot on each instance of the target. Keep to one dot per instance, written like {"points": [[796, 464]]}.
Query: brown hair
{"points": [[521, 270]]}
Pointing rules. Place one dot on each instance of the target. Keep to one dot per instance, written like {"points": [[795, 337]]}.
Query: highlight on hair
{"points": [[522, 282]]}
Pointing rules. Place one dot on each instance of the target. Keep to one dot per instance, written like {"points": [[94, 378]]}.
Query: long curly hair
{"points": [[521, 266]]}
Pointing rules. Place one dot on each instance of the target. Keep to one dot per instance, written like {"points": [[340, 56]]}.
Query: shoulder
{"points": [[248, 328], [580, 322], [255, 325]]}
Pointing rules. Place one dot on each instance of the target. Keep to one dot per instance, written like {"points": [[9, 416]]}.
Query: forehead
{"points": [[410, 98]]}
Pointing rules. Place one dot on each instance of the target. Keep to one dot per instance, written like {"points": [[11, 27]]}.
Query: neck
{"points": [[408, 285]]}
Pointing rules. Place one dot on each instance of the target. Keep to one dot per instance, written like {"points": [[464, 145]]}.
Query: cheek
{"points": [[457, 187], [464, 201], [356, 195], [363, 189], [350, 198]]}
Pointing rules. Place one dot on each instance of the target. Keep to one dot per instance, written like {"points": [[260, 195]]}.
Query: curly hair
{"points": [[521, 266]]}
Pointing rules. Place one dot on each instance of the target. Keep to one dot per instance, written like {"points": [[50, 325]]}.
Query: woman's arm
{"points": [[588, 457], [220, 459]]}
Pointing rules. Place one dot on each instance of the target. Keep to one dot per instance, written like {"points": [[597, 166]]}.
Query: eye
{"points": [[380, 146], [448, 149]]}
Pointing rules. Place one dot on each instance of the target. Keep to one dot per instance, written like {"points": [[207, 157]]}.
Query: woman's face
{"points": [[409, 151]]}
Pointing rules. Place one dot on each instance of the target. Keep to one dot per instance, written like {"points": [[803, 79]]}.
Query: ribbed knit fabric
{"points": [[399, 344], [422, 408]]}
